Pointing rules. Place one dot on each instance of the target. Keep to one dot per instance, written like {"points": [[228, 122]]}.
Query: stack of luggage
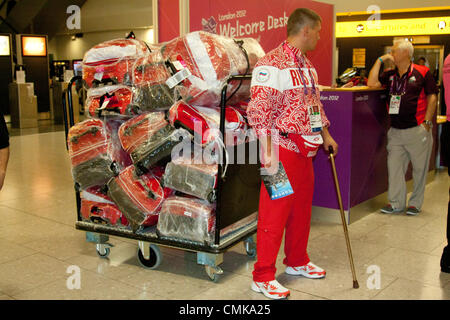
{"points": [[148, 106]]}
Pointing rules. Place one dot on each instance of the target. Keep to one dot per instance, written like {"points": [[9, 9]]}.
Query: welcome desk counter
{"points": [[359, 124]]}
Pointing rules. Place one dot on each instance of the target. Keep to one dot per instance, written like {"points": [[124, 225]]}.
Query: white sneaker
{"points": [[271, 289], [309, 270]]}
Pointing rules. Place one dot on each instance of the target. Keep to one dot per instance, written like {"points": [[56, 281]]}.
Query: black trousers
{"points": [[445, 153]]}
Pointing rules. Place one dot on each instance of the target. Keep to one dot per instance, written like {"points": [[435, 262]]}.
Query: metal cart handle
{"points": [[68, 92], [223, 102]]}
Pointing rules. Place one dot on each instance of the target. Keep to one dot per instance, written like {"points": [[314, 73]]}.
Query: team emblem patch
{"points": [[263, 75]]}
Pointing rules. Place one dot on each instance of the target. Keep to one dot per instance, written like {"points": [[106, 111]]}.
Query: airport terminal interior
{"points": [[396, 256]]}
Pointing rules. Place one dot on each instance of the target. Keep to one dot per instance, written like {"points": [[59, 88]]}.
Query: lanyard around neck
{"points": [[399, 83], [297, 61]]}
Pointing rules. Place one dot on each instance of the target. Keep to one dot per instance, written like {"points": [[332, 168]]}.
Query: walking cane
{"points": [[344, 224]]}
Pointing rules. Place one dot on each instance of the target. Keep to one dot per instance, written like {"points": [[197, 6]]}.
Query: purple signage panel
{"points": [[358, 124], [338, 108]]}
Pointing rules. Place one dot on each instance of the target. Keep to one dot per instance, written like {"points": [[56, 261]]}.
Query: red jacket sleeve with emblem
{"points": [[264, 100]]}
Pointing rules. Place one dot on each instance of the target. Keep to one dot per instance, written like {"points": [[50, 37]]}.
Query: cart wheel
{"points": [[213, 273], [155, 258], [103, 252], [250, 248]]}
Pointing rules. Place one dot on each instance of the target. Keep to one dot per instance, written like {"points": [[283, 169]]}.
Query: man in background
{"points": [[4, 150], [423, 62], [445, 147], [412, 104]]}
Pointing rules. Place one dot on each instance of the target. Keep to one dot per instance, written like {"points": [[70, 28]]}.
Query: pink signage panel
{"points": [[168, 19], [266, 21]]}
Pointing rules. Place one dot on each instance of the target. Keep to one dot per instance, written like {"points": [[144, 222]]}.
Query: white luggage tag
{"points": [[178, 77], [182, 73], [98, 76]]}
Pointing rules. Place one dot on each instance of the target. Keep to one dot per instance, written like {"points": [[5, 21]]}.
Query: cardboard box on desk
{"points": [[23, 104]]}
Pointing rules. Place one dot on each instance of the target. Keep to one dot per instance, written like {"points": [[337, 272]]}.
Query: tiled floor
{"points": [[39, 244]]}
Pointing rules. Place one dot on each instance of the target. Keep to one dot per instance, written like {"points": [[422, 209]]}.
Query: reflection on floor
{"points": [[38, 244], [44, 126]]}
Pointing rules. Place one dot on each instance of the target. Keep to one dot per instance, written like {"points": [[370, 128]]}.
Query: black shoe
{"points": [[445, 260]]}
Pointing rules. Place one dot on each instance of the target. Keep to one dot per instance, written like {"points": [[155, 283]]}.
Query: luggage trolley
{"points": [[237, 196]]}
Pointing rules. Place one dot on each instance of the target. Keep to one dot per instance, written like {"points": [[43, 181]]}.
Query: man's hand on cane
{"points": [[328, 142]]}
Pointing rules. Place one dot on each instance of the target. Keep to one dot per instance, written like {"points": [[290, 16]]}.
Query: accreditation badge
{"points": [[315, 119], [394, 105]]}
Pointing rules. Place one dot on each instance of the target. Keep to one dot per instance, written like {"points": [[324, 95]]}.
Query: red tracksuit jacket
{"points": [[278, 94]]}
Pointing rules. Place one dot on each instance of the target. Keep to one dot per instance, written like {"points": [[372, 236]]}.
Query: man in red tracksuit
{"points": [[286, 112]]}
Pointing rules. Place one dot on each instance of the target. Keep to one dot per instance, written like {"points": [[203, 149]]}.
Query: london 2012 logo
{"points": [[209, 25]]}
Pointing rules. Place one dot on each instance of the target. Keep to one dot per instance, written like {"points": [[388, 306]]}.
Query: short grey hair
{"points": [[404, 44], [300, 18]]}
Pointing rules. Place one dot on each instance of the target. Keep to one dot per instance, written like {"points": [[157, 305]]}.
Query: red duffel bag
{"points": [[91, 153], [112, 61], [111, 100], [149, 79], [204, 61], [149, 139], [138, 197], [205, 122], [97, 207]]}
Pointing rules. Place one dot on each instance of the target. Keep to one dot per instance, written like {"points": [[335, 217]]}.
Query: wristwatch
{"points": [[429, 123]]}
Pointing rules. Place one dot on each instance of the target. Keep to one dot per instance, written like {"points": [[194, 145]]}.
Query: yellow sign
{"points": [[393, 27], [359, 57]]}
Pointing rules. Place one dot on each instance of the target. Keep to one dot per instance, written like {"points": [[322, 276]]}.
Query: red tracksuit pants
{"points": [[292, 213]]}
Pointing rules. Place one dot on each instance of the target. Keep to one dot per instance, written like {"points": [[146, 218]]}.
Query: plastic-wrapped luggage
{"points": [[111, 100], [187, 219], [150, 76], [112, 61], [118, 154], [137, 131], [149, 139], [91, 153], [138, 197], [97, 207], [204, 61], [199, 180], [158, 173], [208, 119]]}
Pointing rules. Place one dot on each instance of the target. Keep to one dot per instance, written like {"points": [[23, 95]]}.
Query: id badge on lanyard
{"points": [[315, 119], [394, 105]]}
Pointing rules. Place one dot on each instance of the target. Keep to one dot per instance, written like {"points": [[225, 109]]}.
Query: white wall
{"points": [[101, 15], [64, 48], [103, 20], [361, 5]]}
